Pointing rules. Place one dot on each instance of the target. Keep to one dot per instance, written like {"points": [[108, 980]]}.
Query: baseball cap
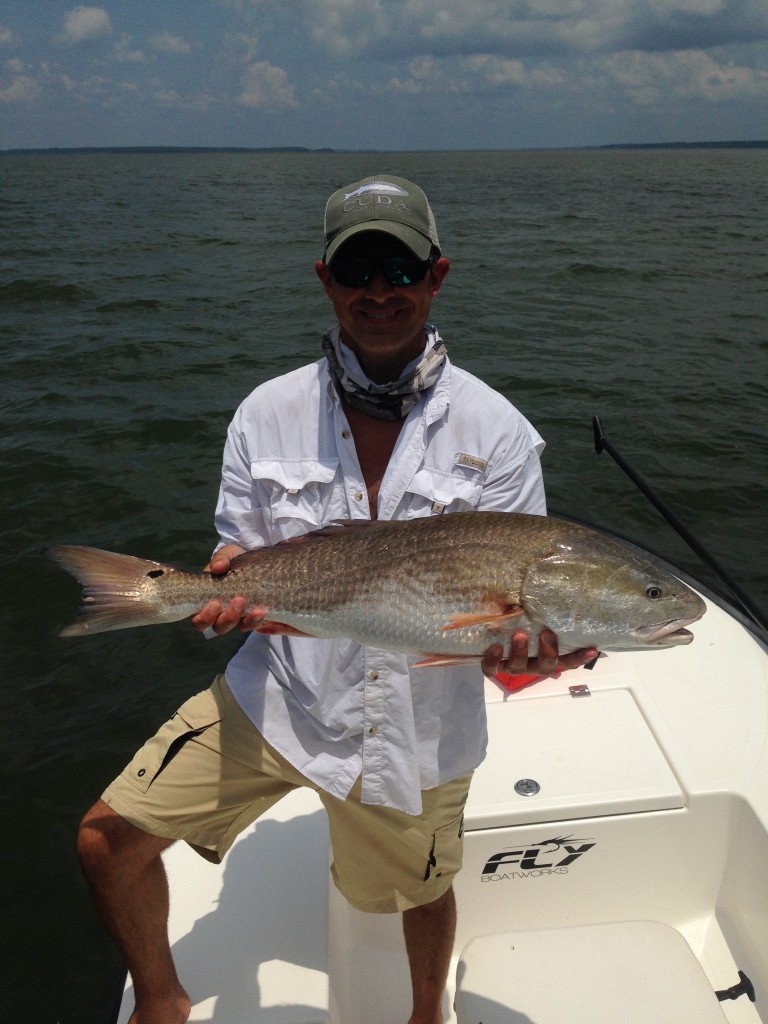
{"points": [[380, 203]]}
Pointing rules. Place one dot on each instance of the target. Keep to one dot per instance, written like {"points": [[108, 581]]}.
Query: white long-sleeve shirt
{"points": [[335, 709]]}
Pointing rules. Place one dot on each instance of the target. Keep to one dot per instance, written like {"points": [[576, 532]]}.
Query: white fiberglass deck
{"points": [[632, 972], [651, 817]]}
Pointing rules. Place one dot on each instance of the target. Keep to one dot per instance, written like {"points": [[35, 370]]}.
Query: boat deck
{"points": [[651, 813]]}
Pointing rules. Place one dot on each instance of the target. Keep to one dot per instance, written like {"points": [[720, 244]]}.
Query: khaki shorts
{"points": [[207, 774]]}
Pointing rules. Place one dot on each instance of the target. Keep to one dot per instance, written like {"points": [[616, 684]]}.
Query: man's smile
{"points": [[387, 314]]}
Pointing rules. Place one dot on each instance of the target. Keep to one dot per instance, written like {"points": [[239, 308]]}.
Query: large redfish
{"points": [[442, 587]]}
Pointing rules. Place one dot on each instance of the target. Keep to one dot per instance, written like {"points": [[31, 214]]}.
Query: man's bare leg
{"points": [[429, 933], [130, 890]]}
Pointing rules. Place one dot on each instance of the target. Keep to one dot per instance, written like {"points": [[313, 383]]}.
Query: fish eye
{"points": [[654, 591]]}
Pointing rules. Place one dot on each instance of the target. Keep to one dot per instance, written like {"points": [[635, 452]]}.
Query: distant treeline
{"points": [[745, 144], [170, 149]]}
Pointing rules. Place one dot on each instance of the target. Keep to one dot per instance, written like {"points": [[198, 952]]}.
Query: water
{"points": [[143, 295]]}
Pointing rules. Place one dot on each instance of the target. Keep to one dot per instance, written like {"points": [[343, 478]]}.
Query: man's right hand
{"points": [[220, 618]]}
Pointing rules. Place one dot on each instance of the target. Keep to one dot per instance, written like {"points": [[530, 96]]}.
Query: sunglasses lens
{"points": [[399, 271], [352, 273]]}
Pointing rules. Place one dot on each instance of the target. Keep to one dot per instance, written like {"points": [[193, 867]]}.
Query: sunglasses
{"points": [[400, 271]]}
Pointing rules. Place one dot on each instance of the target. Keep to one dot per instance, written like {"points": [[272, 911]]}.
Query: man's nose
{"points": [[378, 287]]}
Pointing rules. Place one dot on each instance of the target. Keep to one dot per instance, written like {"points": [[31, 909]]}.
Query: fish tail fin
{"points": [[117, 589]]}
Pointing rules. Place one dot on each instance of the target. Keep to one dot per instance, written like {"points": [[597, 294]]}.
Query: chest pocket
{"points": [[432, 492], [298, 495]]}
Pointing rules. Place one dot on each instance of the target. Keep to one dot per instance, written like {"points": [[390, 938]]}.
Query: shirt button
{"points": [[373, 676], [346, 435], [373, 730], [358, 495]]}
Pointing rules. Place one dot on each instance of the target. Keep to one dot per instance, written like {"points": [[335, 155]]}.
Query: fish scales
{"points": [[384, 580], [443, 585], [457, 568]]}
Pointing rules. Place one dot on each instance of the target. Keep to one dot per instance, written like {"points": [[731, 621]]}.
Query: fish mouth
{"points": [[667, 634]]}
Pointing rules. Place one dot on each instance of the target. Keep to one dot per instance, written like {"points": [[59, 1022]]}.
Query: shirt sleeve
{"points": [[484, 422], [516, 487], [238, 519], [515, 481]]}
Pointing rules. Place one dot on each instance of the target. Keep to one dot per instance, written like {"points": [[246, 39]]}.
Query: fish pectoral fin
{"points": [[495, 618], [438, 660], [279, 629]]}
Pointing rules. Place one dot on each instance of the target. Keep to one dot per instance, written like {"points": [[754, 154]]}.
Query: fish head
{"points": [[605, 595]]}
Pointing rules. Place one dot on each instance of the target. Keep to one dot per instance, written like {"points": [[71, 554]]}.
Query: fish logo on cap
{"points": [[385, 187]]}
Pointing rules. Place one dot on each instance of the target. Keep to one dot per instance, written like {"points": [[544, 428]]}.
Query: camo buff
{"points": [[391, 401]]}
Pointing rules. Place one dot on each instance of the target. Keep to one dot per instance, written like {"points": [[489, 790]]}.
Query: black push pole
{"points": [[602, 444]]}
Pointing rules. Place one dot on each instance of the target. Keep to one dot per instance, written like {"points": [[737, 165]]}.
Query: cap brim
{"points": [[419, 244]]}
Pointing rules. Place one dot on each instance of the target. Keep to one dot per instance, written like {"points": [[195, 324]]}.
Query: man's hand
{"points": [[222, 619], [546, 662]]}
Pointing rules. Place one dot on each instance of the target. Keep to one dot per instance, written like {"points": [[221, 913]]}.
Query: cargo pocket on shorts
{"points": [[445, 858], [192, 719]]}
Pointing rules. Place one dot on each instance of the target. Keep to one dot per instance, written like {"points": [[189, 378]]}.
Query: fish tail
{"points": [[117, 589]]}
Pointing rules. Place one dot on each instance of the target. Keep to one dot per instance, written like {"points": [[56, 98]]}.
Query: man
{"points": [[382, 426]]}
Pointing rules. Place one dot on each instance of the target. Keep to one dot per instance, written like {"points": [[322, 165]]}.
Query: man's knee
{"points": [[441, 905], [104, 837]]}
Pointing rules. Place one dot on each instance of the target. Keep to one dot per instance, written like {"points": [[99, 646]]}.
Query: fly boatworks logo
{"points": [[538, 860]]}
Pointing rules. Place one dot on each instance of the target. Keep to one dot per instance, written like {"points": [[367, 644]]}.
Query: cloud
{"points": [[501, 72], [165, 42], [438, 73], [125, 52], [172, 99], [94, 89], [84, 23], [702, 8], [24, 83], [266, 86], [250, 43], [383, 28], [476, 74], [649, 78], [21, 89], [347, 28]]}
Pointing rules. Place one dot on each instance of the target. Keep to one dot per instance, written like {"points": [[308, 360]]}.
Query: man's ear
{"points": [[437, 275], [323, 271]]}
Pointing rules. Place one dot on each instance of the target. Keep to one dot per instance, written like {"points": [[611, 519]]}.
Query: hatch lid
{"points": [[574, 757]]}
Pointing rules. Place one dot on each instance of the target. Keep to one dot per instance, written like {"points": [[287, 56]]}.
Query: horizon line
{"points": [[701, 144]]}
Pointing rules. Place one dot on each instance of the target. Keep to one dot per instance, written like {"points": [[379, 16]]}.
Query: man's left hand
{"points": [[548, 659]]}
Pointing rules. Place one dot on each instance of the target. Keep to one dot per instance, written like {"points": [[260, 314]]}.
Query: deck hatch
{"points": [[590, 758]]}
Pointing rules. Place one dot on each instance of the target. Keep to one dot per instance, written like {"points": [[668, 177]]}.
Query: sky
{"points": [[382, 74]]}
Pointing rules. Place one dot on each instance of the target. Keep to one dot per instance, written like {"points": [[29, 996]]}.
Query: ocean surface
{"points": [[143, 295]]}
